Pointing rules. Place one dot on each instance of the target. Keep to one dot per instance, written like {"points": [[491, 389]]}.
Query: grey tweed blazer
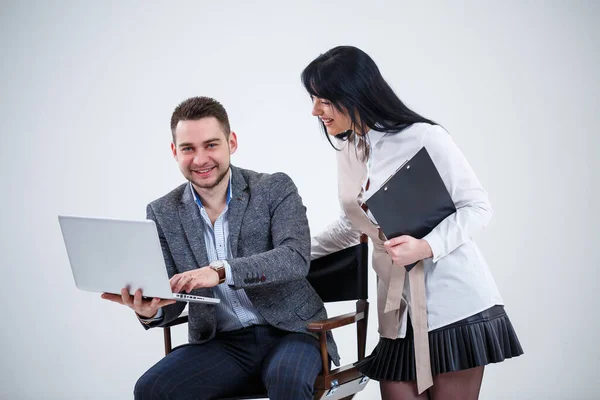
{"points": [[270, 242]]}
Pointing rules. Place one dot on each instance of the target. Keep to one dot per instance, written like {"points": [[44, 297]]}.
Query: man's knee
{"points": [[145, 388]]}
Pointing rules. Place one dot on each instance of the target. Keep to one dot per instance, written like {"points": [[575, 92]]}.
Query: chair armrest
{"points": [[335, 322], [182, 319]]}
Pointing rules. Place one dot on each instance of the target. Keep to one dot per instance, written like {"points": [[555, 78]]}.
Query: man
{"points": [[242, 237]]}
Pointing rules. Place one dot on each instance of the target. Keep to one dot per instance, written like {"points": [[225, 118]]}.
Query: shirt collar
{"points": [[373, 137], [197, 198]]}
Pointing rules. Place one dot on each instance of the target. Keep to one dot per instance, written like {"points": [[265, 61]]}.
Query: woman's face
{"points": [[335, 121]]}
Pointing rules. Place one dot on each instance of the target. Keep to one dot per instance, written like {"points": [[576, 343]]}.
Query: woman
{"points": [[444, 320]]}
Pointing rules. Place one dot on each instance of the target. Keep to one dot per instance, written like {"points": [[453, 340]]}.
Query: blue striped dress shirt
{"points": [[235, 310]]}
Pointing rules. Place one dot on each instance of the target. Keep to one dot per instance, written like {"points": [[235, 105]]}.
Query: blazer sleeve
{"points": [[171, 311], [289, 259], [473, 210]]}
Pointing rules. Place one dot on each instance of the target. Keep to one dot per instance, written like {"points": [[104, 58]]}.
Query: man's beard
{"points": [[208, 185]]}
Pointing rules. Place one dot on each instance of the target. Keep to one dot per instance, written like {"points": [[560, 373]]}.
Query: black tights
{"points": [[459, 385]]}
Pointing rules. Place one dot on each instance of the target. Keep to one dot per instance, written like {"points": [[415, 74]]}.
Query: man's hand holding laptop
{"points": [[204, 277], [142, 307]]}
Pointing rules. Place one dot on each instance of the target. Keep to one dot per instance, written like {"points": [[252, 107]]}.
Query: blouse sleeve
{"points": [[473, 210]]}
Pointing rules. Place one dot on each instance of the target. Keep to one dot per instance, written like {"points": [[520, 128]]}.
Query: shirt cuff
{"points": [[228, 275], [157, 317], [436, 244]]}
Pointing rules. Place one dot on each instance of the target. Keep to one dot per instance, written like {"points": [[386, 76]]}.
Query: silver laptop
{"points": [[107, 255]]}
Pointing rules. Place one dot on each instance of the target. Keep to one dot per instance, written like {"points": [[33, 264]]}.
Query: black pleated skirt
{"points": [[481, 339]]}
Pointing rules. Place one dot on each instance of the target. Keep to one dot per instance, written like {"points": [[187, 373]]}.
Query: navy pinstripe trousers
{"points": [[284, 363]]}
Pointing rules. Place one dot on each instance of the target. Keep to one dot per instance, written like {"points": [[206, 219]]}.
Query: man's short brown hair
{"points": [[196, 108]]}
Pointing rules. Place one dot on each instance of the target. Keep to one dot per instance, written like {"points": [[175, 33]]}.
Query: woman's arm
{"points": [[337, 236], [473, 210]]}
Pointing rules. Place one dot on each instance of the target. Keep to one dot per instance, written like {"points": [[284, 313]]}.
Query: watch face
{"points": [[217, 264]]}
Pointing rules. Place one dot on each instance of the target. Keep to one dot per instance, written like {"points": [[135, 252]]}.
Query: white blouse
{"points": [[458, 280]]}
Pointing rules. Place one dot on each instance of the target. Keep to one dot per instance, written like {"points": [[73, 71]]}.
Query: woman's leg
{"points": [[391, 390], [459, 385]]}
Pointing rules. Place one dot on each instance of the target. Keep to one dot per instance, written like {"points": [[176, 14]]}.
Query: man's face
{"points": [[202, 151]]}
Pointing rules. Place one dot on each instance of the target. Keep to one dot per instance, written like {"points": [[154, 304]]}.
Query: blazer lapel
{"points": [[192, 223], [237, 207]]}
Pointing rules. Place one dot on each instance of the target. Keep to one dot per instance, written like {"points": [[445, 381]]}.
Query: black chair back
{"points": [[341, 275]]}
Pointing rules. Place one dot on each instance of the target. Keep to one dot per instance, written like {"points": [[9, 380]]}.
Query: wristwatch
{"points": [[219, 267]]}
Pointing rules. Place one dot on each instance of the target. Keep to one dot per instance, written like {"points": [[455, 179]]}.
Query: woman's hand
{"points": [[406, 250]]}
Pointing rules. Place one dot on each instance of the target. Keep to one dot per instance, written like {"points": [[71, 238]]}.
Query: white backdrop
{"points": [[87, 90]]}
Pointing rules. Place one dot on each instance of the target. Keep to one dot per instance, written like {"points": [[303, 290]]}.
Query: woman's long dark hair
{"points": [[351, 81]]}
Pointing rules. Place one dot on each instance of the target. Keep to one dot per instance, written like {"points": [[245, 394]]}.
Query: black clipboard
{"points": [[413, 201]]}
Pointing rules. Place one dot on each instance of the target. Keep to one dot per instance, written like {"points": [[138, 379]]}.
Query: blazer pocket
{"points": [[308, 309]]}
